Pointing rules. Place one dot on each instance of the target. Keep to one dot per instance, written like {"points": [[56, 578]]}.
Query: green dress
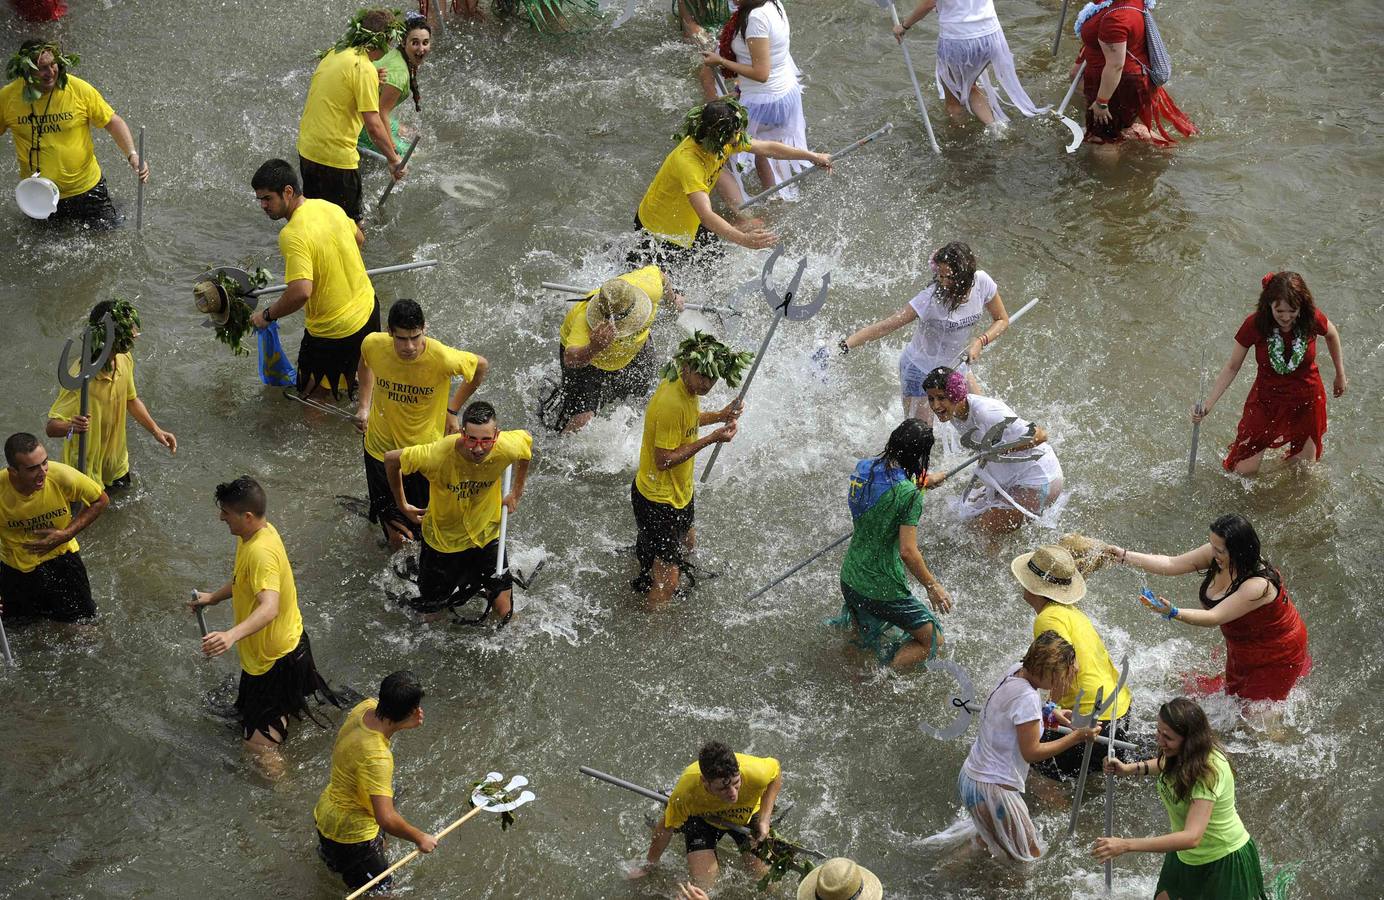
{"points": [[1225, 865]]}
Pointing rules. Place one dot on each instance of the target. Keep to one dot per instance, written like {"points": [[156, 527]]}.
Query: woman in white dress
{"points": [[755, 49], [946, 311], [970, 40]]}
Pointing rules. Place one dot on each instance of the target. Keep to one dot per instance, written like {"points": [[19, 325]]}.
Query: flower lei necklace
{"points": [[1276, 346]]}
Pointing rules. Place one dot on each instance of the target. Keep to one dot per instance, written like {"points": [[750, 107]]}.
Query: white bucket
{"points": [[37, 196]]}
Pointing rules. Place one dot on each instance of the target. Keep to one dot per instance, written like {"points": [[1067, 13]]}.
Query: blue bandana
{"points": [[871, 480]]}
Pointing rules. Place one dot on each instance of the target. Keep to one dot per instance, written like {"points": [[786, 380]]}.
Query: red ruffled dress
{"points": [[1265, 650], [40, 10], [1280, 409], [1135, 99]]}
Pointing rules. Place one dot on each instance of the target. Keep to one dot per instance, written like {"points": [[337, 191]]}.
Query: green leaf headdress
{"points": [[126, 319], [24, 65], [357, 35], [709, 358], [716, 124]]}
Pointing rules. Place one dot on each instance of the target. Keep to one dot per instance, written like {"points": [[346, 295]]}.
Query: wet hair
{"points": [[276, 175], [244, 495], [412, 22], [717, 760], [400, 694], [1051, 658], [1243, 548], [909, 447], [378, 20], [17, 443], [958, 257], [714, 125], [1288, 286], [405, 314], [948, 380], [1192, 763], [478, 413]]}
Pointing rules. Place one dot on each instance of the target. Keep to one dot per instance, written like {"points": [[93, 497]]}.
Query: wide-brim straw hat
{"points": [[1050, 572], [623, 304], [211, 296], [840, 879]]}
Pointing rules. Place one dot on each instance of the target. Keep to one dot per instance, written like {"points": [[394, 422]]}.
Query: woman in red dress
{"points": [[1287, 403], [1122, 103], [1265, 640]]}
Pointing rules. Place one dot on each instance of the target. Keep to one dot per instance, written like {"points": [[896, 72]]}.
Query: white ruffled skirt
{"points": [[999, 817], [777, 119], [963, 61]]}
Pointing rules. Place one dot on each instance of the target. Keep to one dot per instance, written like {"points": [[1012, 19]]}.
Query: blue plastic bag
{"points": [[274, 368]]}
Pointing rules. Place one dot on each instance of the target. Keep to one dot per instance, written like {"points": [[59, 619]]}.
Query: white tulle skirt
{"points": [[780, 119], [999, 818], [963, 61]]}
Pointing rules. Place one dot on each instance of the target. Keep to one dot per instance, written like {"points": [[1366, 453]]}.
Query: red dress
{"points": [[1135, 99], [40, 10], [1280, 409], [1265, 650]]}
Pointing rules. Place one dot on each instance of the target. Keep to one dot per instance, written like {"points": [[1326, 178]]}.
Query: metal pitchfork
{"points": [[88, 370], [783, 309], [1101, 707]]}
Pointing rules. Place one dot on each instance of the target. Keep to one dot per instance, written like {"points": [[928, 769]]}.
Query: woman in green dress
{"points": [[1208, 855], [399, 77]]}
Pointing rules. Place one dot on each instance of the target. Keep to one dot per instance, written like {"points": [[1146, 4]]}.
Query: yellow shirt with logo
{"points": [[1096, 670], [319, 244], [464, 496], [409, 403], [666, 210], [48, 507], [577, 333], [108, 396], [670, 421], [691, 798], [261, 564], [344, 85], [60, 122], [362, 767]]}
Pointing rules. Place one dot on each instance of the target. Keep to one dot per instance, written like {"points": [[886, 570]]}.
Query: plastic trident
{"points": [[88, 370], [1102, 705], [783, 309]]}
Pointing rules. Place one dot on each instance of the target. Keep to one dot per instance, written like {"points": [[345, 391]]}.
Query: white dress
{"points": [[775, 106], [969, 38], [989, 422], [941, 333]]}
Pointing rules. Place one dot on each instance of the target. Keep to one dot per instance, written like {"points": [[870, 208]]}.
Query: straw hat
{"points": [[211, 296], [840, 879], [622, 303], [1088, 553], [1050, 572]]}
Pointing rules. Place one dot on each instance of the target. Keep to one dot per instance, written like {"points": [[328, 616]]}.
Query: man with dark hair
{"points": [[461, 526], [404, 377], [52, 113], [41, 572], [358, 802], [325, 273], [721, 788], [277, 669], [343, 96]]}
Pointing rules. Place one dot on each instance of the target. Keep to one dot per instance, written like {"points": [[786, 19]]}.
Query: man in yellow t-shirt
{"points": [[325, 273], [720, 788], [358, 802], [1052, 585], [675, 212], [461, 526], [404, 378], [343, 96], [604, 347], [51, 114], [41, 573], [111, 394], [277, 669], [662, 488]]}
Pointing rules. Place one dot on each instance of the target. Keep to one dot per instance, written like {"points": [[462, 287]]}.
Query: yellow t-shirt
{"points": [[691, 798], [670, 420], [343, 86], [665, 210], [47, 507], [61, 121], [1096, 670], [261, 564], [464, 497], [108, 395], [362, 767], [409, 405], [319, 244], [576, 333]]}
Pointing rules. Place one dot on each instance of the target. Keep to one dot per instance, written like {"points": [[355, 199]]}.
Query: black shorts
{"points": [[1067, 764], [651, 250], [699, 834], [267, 700], [334, 359], [382, 506], [662, 530], [55, 589], [450, 579], [340, 186], [588, 389], [356, 863], [93, 207]]}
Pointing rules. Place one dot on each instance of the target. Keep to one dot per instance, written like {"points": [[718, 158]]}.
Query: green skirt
{"points": [[1235, 876]]}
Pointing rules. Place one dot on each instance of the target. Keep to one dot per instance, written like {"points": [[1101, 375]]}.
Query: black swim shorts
{"points": [[662, 530], [333, 360], [340, 186], [55, 589], [382, 506], [699, 834], [450, 579], [356, 863]]}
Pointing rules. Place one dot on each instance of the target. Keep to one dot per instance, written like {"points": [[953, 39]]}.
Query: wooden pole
{"points": [[412, 856]]}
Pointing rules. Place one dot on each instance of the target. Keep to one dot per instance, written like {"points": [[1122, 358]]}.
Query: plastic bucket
{"points": [[37, 196]]}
